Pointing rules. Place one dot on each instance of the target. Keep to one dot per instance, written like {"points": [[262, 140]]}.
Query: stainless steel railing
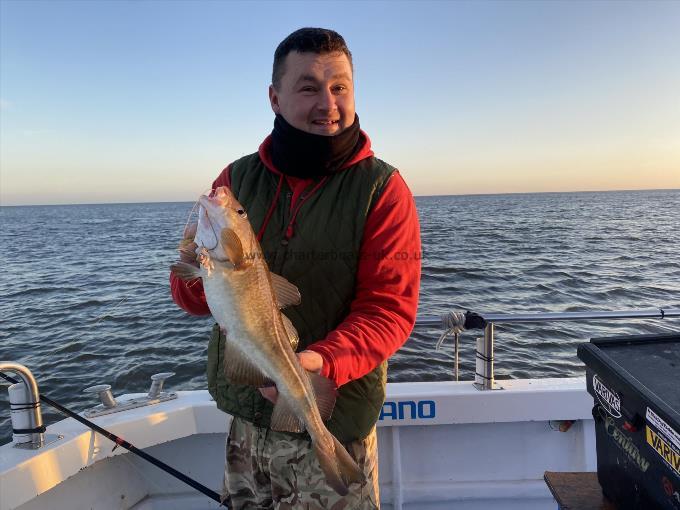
{"points": [[33, 428], [484, 378]]}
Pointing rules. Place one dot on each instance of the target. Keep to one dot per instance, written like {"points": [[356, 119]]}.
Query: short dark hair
{"points": [[307, 40]]}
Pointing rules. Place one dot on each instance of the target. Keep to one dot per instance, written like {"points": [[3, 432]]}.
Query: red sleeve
{"points": [[384, 308], [189, 295]]}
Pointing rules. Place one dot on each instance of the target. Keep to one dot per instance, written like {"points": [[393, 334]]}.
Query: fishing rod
{"points": [[119, 441]]}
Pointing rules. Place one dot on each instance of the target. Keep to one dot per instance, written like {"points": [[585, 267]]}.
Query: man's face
{"points": [[316, 93]]}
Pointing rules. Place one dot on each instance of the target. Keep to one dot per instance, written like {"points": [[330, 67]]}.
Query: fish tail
{"points": [[338, 466]]}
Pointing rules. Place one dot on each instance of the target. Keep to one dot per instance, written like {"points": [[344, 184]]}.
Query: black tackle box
{"points": [[635, 383]]}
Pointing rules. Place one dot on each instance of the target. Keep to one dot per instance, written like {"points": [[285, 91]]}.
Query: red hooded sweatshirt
{"points": [[384, 307]]}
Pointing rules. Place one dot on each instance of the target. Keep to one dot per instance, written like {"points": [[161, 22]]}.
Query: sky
{"points": [[147, 101]]}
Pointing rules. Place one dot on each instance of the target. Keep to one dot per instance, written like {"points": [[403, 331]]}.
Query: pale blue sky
{"points": [[147, 101]]}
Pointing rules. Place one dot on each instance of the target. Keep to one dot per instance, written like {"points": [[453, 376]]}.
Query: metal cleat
{"points": [[110, 405], [157, 381], [104, 392]]}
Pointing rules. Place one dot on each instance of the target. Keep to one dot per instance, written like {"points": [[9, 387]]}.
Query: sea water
{"points": [[85, 298]]}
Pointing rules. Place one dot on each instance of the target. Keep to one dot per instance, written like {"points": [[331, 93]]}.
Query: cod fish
{"points": [[245, 299]]}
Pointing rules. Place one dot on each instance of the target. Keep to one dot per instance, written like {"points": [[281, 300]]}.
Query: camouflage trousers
{"points": [[266, 469]]}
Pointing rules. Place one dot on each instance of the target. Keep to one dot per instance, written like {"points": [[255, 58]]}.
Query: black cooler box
{"points": [[635, 382]]}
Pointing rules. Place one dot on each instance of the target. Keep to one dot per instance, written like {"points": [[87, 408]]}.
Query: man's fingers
{"points": [[189, 260], [187, 245], [310, 361], [187, 252], [190, 231]]}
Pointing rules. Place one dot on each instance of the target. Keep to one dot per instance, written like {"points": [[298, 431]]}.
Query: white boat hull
{"points": [[441, 445]]}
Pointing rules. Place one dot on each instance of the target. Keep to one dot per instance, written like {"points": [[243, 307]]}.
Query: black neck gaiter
{"points": [[300, 154]]}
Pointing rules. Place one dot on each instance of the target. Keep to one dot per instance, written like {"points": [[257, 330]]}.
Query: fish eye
{"points": [[241, 213]]}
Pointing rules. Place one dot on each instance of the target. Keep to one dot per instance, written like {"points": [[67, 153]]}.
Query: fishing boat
{"points": [[468, 445]]}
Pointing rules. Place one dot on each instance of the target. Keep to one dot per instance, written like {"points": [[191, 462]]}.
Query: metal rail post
{"points": [[484, 360]]}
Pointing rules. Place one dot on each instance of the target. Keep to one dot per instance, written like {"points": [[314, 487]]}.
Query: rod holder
{"points": [[484, 360], [25, 408], [455, 355]]}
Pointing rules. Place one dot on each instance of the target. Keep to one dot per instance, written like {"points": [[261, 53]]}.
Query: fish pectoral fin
{"points": [[284, 419], [325, 394], [185, 271], [291, 332], [234, 249], [286, 293], [239, 370]]}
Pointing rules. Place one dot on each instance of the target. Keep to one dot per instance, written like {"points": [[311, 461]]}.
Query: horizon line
{"points": [[415, 196]]}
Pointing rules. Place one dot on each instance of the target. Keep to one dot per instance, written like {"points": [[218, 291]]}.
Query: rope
{"points": [[485, 359], [454, 324], [23, 406]]}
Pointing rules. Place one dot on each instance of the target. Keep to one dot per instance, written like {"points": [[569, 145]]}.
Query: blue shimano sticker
{"points": [[408, 410]]}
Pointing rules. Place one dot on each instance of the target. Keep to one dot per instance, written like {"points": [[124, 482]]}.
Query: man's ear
{"points": [[274, 99]]}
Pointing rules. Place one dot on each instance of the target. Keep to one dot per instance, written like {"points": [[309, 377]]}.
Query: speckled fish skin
{"points": [[242, 300]]}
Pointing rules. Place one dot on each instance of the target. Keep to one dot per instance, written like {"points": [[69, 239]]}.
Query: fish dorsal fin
{"points": [[286, 293], [233, 248], [239, 370], [291, 332]]}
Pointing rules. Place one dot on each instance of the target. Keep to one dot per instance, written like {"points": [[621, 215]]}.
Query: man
{"points": [[341, 225]]}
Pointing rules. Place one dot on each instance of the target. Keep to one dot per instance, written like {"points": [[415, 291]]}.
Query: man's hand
{"points": [[187, 246], [309, 360]]}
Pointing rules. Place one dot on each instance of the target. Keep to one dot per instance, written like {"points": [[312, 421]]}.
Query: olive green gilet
{"points": [[321, 259]]}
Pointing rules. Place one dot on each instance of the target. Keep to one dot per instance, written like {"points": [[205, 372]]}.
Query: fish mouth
{"points": [[205, 225], [219, 199], [208, 203], [213, 207], [210, 218]]}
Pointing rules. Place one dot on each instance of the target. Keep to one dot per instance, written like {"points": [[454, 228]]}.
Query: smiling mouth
{"points": [[325, 122]]}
